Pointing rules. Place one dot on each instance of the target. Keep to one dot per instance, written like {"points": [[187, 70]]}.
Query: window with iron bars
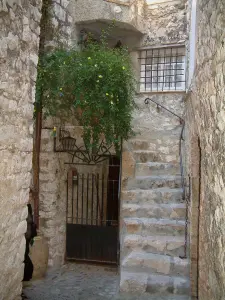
{"points": [[162, 69]]}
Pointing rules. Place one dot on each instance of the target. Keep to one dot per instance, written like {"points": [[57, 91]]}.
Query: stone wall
{"points": [[88, 14], [56, 30], [52, 197], [56, 25], [55, 170], [206, 120], [166, 23], [19, 43]]}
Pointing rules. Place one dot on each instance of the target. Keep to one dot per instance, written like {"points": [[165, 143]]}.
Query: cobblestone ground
{"points": [[82, 282]]}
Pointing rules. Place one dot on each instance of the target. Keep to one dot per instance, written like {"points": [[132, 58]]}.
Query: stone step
{"points": [[168, 284], [153, 263], [157, 168], [143, 156], [152, 182], [167, 211], [172, 132], [139, 144], [166, 146], [151, 226], [167, 245], [159, 195], [133, 283], [140, 282]]}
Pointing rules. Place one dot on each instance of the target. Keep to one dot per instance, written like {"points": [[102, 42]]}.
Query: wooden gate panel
{"points": [[92, 243]]}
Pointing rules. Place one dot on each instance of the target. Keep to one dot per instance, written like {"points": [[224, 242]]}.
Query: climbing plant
{"points": [[94, 86]]}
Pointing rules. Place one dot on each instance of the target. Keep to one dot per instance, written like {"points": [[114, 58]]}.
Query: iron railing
{"points": [[92, 216]]}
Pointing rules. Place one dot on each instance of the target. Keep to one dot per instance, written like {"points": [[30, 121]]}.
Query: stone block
{"points": [[21, 229], [159, 284], [59, 12], [181, 286], [128, 164], [3, 7], [26, 35], [156, 168], [13, 41], [35, 14], [132, 226], [39, 256], [133, 282], [168, 245], [65, 3], [168, 211], [48, 187], [142, 156], [147, 262], [180, 266], [160, 195], [154, 182]]}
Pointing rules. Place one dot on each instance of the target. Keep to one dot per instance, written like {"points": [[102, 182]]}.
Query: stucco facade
{"points": [[19, 44]]}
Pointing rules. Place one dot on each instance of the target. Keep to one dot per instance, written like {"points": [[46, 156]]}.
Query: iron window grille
{"points": [[162, 69]]}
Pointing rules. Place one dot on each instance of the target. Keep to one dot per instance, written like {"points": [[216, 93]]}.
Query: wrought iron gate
{"points": [[92, 215]]}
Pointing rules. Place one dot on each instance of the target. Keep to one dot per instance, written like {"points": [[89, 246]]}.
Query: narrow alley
{"points": [[112, 149]]}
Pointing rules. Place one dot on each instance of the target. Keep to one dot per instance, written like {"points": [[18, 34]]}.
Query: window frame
{"points": [[158, 71]]}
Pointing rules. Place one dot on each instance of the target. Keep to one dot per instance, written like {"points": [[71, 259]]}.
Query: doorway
{"points": [[92, 232]]}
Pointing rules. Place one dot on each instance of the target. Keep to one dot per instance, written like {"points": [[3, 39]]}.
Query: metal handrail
{"points": [[160, 105], [182, 122]]}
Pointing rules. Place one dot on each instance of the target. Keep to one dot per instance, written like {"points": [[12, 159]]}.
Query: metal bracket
{"points": [[88, 156]]}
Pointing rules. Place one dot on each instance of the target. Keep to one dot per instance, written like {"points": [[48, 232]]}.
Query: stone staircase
{"points": [[153, 214]]}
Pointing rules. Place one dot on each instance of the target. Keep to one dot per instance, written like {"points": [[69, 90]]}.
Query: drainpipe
{"points": [[46, 5], [36, 166]]}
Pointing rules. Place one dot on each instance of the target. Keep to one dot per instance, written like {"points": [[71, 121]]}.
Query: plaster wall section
{"points": [[19, 44]]}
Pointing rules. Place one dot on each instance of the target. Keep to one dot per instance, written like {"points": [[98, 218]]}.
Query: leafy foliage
{"points": [[94, 86]]}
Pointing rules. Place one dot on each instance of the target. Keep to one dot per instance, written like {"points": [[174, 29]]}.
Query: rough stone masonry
{"points": [[206, 120], [19, 43]]}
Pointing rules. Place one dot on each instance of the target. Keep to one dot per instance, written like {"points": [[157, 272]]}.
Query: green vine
{"points": [[94, 86]]}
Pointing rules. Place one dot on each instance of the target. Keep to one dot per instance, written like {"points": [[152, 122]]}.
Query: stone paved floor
{"points": [[82, 282]]}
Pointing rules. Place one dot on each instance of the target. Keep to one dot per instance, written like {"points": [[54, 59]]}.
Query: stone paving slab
{"points": [[83, 282]]}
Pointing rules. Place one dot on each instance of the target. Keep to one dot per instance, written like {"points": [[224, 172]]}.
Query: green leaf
{"points": [[70, 84]]}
